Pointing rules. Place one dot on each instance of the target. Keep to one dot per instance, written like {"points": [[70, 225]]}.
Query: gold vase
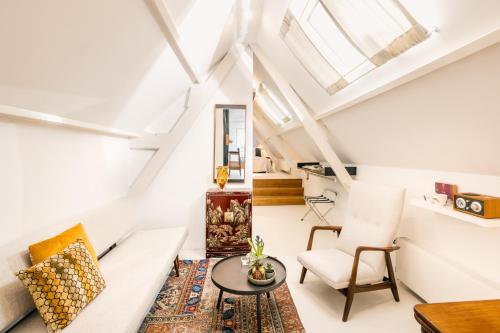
{"points": [[222, 176]]}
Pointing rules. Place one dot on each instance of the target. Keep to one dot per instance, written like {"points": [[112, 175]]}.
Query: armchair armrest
{"points": [[387, 250], [333, 228]]}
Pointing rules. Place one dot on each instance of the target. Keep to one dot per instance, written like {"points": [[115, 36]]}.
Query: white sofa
{"points": [[135, 270]]}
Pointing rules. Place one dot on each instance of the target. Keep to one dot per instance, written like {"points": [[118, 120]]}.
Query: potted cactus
{"points": [[269, 271]]}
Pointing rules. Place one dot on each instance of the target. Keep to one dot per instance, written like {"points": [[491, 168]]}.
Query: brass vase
{"points": [[222, 176]]}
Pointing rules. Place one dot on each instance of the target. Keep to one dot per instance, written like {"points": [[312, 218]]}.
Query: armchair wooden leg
{"points": [[392, 278], [176, 266], [303, 274], [348, 302]]}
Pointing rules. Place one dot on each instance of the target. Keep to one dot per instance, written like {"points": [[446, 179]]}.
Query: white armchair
{"points": [[359, 261]]}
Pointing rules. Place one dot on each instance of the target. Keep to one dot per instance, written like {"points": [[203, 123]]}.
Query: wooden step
{"points": [[289, 182], [280, 191], [274, 200]]}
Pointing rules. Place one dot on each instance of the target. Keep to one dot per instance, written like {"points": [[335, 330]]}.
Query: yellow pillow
{"points": [[44, 249], [63, 284]]}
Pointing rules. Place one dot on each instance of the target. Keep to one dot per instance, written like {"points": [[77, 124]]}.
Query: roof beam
{"points": [[12, 112], [200, 96], [167, 25], [316, 131]]}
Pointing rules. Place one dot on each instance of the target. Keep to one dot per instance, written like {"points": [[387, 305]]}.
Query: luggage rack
{"points": [[326, 198]]}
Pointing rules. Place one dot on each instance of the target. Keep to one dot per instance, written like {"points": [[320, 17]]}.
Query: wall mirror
{"points": [[230, 140]]}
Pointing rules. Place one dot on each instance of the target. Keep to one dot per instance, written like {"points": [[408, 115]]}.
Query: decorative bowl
{"points": [[260, 282]]}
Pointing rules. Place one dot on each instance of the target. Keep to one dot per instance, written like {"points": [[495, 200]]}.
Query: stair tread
{"points": [[289, 182], [278, 200], [279, 196], [278, 191]]}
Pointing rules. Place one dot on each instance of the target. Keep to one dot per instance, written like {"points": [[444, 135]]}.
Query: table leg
{"points": [[258, 315], [219, 299]]}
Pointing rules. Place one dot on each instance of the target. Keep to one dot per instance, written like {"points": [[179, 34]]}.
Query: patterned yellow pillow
{"points": [[63, 284]]}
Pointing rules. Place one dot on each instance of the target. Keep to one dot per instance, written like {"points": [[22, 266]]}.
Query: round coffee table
{"points": [[230, 276]]}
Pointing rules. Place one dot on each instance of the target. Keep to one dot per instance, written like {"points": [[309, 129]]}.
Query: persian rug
{"points": [[188, 304]]}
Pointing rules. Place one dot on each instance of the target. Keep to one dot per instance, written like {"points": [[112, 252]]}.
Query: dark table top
{"points": [[230, 276]]}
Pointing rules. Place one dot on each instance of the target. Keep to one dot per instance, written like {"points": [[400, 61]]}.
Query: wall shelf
{"points": [[449, 211], [309, 172]]}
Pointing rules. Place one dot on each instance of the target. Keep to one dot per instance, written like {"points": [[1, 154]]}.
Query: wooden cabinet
{"points": [[229, 222]]}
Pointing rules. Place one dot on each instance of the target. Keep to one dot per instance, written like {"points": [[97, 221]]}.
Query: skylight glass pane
{"points": [[331, 42], [351, 36], [375, 25], [284, 114], [271, 105], [268, 110], [308, 54]]}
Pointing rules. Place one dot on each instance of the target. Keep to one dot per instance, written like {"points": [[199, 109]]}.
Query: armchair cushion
{"points": [[372, 219], [335, 266]]}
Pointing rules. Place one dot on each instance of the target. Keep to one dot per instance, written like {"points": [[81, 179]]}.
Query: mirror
{"points": [[229, 140]]}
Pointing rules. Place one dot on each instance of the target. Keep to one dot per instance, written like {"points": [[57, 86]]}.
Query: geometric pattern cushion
{"points": [[63, 284]]}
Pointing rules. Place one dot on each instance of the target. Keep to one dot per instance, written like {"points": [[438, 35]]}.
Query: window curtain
{"points": [[310, 57], [380, 29]]}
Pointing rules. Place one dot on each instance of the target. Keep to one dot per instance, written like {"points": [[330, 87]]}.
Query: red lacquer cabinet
{"points": [[229, 222]]}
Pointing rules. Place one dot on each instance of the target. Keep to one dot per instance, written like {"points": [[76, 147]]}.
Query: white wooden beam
{"points": [[200, 96], [316, 131], [147, 142], [167, 26], [11, 112]]}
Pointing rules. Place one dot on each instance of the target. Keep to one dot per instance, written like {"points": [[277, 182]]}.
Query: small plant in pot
{"points": [[269, 271], [258, 271]]}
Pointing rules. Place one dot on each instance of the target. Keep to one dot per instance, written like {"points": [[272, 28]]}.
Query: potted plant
{"points": [[258, 271], [269, 271]]}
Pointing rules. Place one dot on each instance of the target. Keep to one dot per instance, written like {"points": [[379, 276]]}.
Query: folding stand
{"points": [[324, 198]]}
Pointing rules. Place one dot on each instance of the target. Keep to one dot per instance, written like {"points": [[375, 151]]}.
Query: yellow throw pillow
{"points": [[44, 249], [63, 284]]}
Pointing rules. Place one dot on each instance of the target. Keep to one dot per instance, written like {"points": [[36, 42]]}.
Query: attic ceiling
{"points": [[111, 66], [114, 67]]}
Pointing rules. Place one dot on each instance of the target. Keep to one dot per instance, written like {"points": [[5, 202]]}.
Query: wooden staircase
{"points": [[277, 192]]}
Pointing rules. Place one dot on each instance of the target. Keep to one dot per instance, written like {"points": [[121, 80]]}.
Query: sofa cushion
{"points": [[63, 284], [134, 272], [48, 247], [335, 266]]}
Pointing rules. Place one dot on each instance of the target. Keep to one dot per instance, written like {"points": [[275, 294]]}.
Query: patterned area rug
{"points": [[188, 304]]}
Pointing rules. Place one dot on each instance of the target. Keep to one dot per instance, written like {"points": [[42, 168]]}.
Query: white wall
{"points": [[49, 175], [177, 195]]}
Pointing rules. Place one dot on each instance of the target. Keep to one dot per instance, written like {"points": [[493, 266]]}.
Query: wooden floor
{"points": [[277, 192]]}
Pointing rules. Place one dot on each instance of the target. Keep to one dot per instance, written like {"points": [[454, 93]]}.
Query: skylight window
{"points": [[272, 106], [338, 41]]}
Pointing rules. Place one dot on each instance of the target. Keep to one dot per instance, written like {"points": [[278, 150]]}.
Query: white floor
{"points": [[320, 307]]}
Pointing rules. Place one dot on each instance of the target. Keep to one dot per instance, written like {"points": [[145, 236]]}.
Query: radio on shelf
{"points": [[480, 205]]}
